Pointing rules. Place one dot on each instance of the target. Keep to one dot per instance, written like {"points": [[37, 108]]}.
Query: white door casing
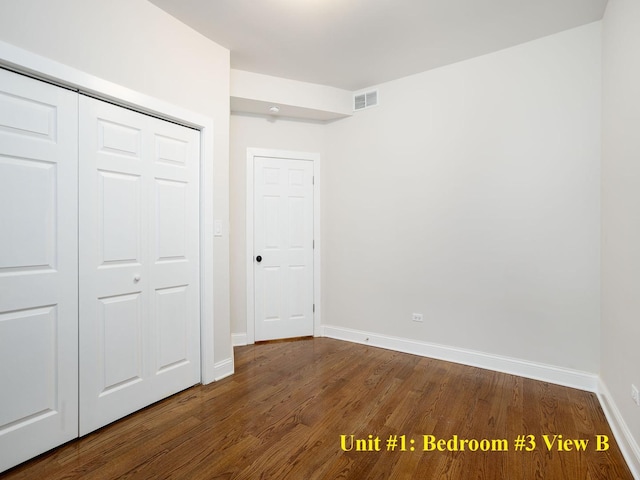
{"points": [[282, 221], [38, 268], [139, 261]]}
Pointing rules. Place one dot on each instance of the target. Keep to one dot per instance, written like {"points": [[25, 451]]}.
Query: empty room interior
{"points": [[318, 239]]}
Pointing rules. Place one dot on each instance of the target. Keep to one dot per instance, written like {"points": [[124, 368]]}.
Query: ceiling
{"points": [[353, 44]]}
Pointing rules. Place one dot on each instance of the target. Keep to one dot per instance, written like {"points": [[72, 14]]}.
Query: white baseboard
{"points": [[239, 339], [628, 445], [223, 369], [537, 371]]}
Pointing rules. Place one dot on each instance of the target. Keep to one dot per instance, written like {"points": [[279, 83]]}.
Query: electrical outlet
{"points": [[634, 394], [417, 317]]}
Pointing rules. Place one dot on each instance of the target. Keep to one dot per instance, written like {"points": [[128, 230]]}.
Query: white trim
{"points": [[239, 339], [628, 445], [223, 369], [43, 68], [513, 366], [207, 254], [270, 153]]}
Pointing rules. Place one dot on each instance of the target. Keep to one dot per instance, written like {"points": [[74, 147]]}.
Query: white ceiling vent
{"points": [[365, 100]]}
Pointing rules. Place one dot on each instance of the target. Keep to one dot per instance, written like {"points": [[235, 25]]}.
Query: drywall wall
{"points": [[252, 131], [135, 44], [255, 93], [620, 365], [472, 195]]}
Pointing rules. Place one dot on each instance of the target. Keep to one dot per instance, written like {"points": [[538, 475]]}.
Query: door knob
{"points": [[136, 278], [258, 259]]}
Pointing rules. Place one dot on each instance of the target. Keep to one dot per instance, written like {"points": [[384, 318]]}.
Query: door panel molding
{"points": [[250, 213]]}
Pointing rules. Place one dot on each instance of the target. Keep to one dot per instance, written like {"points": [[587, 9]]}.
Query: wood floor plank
{"points": [[282, 414]]}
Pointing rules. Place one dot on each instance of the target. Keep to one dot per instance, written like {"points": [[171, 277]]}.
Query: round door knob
{"points": [[136, 278], [258, 259]]}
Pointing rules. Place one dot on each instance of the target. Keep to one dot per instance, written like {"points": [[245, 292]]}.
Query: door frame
{"points": [[250, 291], [33, 65]]}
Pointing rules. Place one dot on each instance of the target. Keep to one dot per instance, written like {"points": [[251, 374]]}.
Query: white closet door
{"points": [[38, 268], [139, 274]]}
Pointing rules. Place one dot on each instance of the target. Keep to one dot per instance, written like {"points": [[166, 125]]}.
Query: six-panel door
{"points": [[38, 268], [283, 238]]}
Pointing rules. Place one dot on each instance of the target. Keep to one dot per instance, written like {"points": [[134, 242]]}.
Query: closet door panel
{"points": [[174, 262], [38, 268], [114, 374]]}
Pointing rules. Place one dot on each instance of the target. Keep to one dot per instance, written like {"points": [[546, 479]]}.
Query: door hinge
{"points": [[314, 244], [314, 308], [313, 180]]}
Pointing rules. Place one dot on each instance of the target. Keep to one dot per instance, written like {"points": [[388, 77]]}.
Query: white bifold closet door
{"points": [[99, 264], [139, 261], [38, 267]]}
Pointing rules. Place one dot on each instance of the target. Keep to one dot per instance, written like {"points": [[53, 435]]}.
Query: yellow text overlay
{"points": [[431, 443]]}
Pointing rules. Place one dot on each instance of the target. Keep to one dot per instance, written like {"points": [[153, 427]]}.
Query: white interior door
{"points": [[139, 265], [38, 268], [283, 248]]}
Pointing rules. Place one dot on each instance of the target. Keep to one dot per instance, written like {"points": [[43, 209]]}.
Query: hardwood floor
{"points": [[281, 416]]}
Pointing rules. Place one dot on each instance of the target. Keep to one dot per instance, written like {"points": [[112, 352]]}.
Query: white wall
{"points": [[621, 212], [472, 195], [258, 132], [255, 93], [135, 44]]}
